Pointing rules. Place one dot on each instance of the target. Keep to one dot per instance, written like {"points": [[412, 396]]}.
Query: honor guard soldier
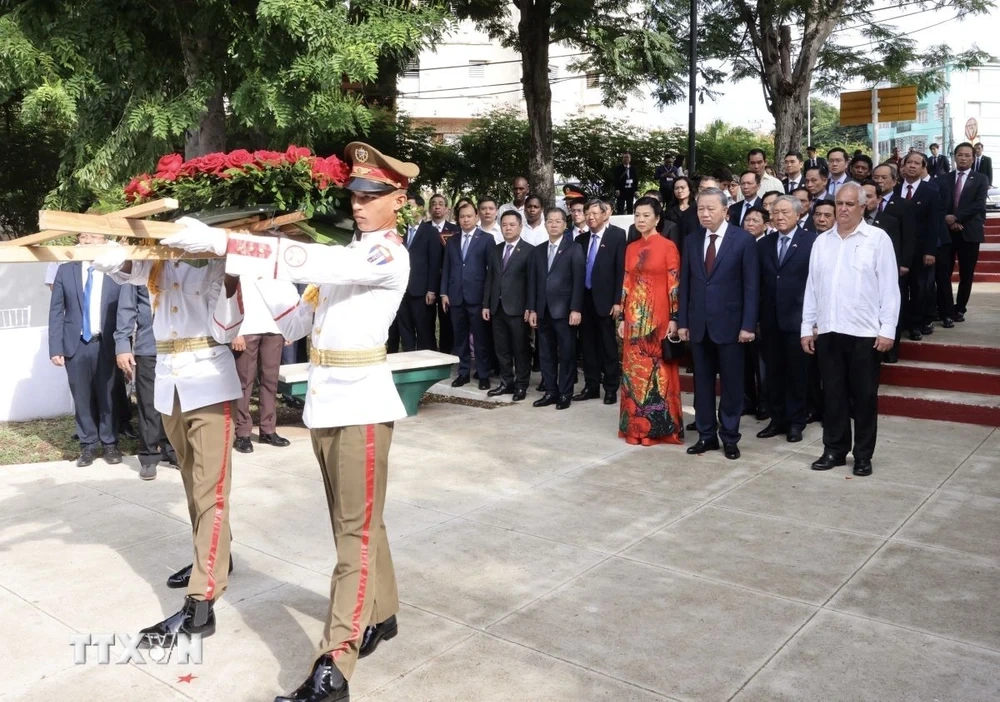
{"points": [[351, 405], [197, 311]]}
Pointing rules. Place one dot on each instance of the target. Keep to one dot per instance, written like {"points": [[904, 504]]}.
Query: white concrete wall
{"points": [[976, 93]]}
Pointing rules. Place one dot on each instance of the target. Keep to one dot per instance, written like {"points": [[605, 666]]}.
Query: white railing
{"points": [[15, 318]]}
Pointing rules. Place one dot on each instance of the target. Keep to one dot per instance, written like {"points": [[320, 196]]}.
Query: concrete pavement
{"points": [[540, 558]]}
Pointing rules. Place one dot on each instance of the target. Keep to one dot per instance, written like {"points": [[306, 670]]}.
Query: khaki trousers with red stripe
{"points": [[354, 462], [203, 439]]}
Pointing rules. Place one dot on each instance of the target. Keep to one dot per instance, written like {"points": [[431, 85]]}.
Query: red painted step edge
{"points": [[939, 379], [978, 277], [919, 408], [950, 353]]}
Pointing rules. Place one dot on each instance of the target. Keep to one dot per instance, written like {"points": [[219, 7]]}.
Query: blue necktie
{"points": [[465, 244], [782, 249], [87, 335], [591, 257]]}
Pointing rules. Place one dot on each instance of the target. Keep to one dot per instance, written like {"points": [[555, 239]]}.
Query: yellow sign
{"points": [[894, 105]]}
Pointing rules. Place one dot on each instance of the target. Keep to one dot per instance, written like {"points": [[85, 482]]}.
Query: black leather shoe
{"points": [[274, 440], [128, 432], [828, 461], [701, 447], [563, 402], [762, 415], [587, 394], [545, 400], [475, 375], [927, 330], [86, 458], [373, 634], [519, 394], [915, 335], [959, 316], [611, 398], [814, 417], [794, 436], [770, 430], [541, 387], [890, 357], [947, 322], [501, 389], [325, 684], [169, 456], [484, 384], [732, 451], [195, 617], [243, 445], [460, 381], [112, 454], [693, 426], [183, 576], [862, 466]]}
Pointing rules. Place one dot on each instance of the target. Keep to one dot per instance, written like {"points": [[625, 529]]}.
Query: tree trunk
{"points": [[210, 134], [789, 110], [533, 35]]}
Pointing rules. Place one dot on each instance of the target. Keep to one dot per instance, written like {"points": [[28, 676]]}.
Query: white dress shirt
{"points": [[834, 185], [770, 184], [96, 287], [853, 284], [534, 235], [578, 232], [718, 242], [50, 272], [510, 206], [494, 230]]}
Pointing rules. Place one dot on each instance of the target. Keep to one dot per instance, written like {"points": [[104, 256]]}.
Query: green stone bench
{"points": [[413, 372]]}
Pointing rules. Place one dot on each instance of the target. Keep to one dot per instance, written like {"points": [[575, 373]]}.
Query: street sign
{"points": [[894, 105], [971, 129]]}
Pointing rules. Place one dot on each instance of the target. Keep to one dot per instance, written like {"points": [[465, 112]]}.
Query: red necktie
{"points": [[710, 254], [909, 191]]}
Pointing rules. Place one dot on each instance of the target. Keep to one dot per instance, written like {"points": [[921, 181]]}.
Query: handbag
{"points": [[674, 349]]}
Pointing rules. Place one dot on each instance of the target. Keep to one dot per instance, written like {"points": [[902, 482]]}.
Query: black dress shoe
{"points": [[325, 684], [274, 440], [762, 415], [243, 445], [128, 432], [86, 458], [484, 384], [475, 375], [545, 400], [611, 398], [183, 576], [862, 466], [693, 426], [915, 335], [373, 634], [460, 381], [959, 316], [770, 430], [541, 387], [587, 394], [732, 451], [195, 617], [169, 456], [501, 389], [112, 454], [701, 447], [794, 436], [563, 402], [814, 417], [947, 322], [828, 461], [927, 330], [890, 357], [519, 394]]}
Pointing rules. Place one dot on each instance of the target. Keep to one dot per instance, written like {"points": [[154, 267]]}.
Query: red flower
{"points": [[240, 158], [213, 163], [269, 158], [169, 167], [139, 189], [330, 170], [295, 153]]}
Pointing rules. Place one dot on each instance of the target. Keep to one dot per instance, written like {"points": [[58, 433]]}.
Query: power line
{"points": [[906, 34], [415, 96], [494, 63]]}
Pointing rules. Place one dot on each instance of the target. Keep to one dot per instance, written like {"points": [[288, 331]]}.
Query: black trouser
{"points": [[902, 320], [913, 295], [415, 320], [91, 377], [815, 401], [510, 336], [447, 340], [850, 367], [753, 387], [153, 442], [967, 253], [121, 404], [725, 361], [600, 348], [623, 205], [787, 377], [943, 266], [465, 319], [557, 354]]}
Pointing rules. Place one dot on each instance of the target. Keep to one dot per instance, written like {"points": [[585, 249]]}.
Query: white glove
{"points": [[198, 237], [109, 262]]}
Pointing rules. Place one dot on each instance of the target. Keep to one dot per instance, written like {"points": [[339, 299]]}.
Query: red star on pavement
{"points": [[186, 678]]}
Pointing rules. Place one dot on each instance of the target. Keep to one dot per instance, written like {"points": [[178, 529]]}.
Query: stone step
{"points": [[979, 277], [942, 376], [941, 405], [931, 351]]}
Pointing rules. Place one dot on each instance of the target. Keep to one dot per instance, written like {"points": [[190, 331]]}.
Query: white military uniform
{"points": [[360, 288]]}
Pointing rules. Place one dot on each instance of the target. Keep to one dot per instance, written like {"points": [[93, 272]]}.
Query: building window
{"points": [[922, 115], [412, 68], [593, 80], [477, 69], [939, 110]]}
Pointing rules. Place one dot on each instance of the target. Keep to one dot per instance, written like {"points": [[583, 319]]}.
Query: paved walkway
{"points": [[540, 558]]}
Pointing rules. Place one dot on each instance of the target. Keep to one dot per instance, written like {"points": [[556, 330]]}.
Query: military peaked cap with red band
{"points": [[374, 172]]}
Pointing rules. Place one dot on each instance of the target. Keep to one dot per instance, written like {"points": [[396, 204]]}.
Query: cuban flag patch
{"points": [[379, 255]]}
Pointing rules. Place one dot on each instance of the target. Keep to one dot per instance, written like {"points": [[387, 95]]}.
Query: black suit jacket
{"points": [[66, 311], [622, 174], [813, 162], [608, 275], [426, 254], [971, 210], [801, 184], [938, 166], [927, 210], [736, 211], [783, 287], [985, 167], [463, 281], [558, 291], [508, 287], [904, 241]]}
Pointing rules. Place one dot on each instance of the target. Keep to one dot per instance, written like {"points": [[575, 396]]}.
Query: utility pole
{"points": [[693, 86]]}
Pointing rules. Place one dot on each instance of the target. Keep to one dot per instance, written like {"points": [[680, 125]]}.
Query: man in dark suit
{"points": [[555, 302], [937, 165], [438, 208], [749, 186], [466, 260], [718, 312], [794, 177], [626, 181], [783, 257], [983, 164], [83, 314], [604, 252], [505, 304], [966, 220], [812, 160], [416, 312]]}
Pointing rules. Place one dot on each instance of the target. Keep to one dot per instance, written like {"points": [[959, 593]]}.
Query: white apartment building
{"points": [[468, 74]]}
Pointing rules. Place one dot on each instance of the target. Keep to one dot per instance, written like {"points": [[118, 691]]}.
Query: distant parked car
{"points": [[993, 199]]}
